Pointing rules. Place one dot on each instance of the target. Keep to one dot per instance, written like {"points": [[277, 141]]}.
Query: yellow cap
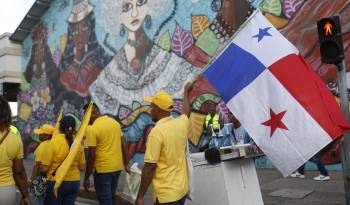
{"points": [[44, 129], [162, 99]]}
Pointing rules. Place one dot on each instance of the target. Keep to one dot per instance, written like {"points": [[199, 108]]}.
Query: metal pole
{"points": [[345, 144]]}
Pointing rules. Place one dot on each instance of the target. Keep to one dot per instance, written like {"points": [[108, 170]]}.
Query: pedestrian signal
{"points": [[331, 43]]}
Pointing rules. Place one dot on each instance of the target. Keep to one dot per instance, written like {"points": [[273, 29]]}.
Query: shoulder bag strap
{"points": [[4, 137]]}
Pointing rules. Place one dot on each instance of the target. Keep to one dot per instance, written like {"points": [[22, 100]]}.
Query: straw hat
{"points": [[81, 9]]}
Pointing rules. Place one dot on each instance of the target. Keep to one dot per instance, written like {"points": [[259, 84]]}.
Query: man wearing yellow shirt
{"points": [[165, 157], [12, 171], [107, 156], [56, 152]]}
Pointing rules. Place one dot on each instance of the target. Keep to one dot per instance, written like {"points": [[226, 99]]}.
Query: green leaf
{"points": [[272, 6], [165, 41], [208, 42]]}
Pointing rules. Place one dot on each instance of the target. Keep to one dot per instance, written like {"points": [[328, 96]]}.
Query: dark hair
{"points": [[67, 127], [5, 114], [67, 123]]}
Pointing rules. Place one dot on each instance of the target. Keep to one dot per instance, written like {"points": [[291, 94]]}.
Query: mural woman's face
{"points": [[81, 34], [134, 13]]}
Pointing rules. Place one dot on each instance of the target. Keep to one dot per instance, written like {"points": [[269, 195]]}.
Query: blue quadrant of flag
{"points": [[233, 71]]}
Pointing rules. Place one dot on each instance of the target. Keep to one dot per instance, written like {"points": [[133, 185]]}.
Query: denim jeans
{"points": [[106, 186], [40, 201], [318, 161], [66, 194], [179, 202]]}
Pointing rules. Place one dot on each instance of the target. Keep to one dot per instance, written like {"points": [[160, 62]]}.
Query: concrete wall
{"points": [[10, 60]]}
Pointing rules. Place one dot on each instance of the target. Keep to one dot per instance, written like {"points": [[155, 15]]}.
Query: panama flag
{"points": [[281, 102]]}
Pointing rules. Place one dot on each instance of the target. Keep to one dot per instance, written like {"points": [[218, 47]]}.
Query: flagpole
{"points": [[230, 40], [345, 144]]}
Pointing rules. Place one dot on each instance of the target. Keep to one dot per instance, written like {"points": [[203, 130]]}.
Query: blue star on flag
{"points": [[262, 33]]}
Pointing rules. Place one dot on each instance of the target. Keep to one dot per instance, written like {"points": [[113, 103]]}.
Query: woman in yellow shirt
{"points": [[11, 165], [56, 153], [45, 134]]}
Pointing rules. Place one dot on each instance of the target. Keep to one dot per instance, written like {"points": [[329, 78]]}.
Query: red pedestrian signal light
{"points": [[331, 43]]}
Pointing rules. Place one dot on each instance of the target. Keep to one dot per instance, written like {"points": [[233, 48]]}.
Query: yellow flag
{"points": [[57, 125], [63, 169]]}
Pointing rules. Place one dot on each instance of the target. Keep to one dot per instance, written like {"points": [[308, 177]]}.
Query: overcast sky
{"points": [[12, 13]]}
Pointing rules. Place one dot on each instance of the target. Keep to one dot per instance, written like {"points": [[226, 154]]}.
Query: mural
{"points": [[115, 52]]}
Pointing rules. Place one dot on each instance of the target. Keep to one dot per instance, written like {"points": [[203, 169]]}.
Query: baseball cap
{"points": [[44, 129], [162, 99]]}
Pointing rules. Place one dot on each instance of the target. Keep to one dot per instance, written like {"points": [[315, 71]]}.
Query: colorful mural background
{"points": [[117, 51]]}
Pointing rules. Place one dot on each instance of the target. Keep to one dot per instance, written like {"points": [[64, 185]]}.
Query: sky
{"points": [[12, 12]]}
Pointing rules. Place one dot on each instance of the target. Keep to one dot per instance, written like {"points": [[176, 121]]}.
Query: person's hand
{"points": [[87, 185], [139, 201], [25, 201]]}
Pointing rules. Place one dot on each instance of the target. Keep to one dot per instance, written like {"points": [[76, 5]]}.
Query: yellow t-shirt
{"points": [[166, 146], [87, 133], [106, 135], [10, 149], [40, 150], [57, 151]]}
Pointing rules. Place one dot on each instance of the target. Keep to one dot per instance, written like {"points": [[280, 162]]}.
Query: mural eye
{"points": [[141, 2], [126, 7], [216, 5]]}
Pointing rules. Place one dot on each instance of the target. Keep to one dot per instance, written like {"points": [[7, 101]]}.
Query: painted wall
{"points": [[115, 52]]}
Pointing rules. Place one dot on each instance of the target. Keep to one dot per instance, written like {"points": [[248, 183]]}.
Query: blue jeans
{"points": [[66, 194], [318, 161], [40, 201], [106, 186], [179, 202]]}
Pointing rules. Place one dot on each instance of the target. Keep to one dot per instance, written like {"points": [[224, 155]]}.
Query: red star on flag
{"points": [[275, 121]]}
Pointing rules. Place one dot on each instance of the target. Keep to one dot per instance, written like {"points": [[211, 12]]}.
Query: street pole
{"points": [[345, 144]]}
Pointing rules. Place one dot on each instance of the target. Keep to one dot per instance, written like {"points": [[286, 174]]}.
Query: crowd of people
{"points": [[165, 158], [165, 161]]}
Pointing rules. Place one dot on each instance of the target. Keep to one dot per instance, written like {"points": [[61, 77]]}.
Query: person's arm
{"points": [[125, 154], [47, 158], [20, 177], [148, 172], [35, 171], [89, 167], [153, 150], [186, 107]]}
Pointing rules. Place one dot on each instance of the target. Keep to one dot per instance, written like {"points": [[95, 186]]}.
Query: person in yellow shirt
{"points": [[12, 171], [107, 155], [45, 133], [165, 157], [56, 152]]}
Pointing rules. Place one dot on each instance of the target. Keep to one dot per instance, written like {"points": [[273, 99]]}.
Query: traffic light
{"points": [[331, 43]]}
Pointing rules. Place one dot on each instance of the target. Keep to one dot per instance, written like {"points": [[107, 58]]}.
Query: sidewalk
{"points": [[320, 193], [323, 193]]}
